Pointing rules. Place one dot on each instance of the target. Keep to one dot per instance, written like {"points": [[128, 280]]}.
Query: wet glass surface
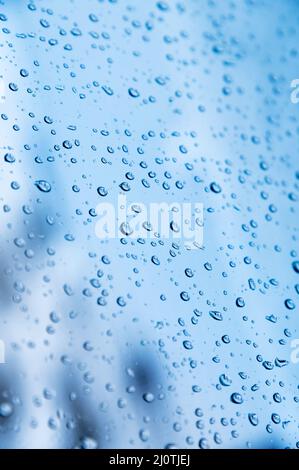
{"points": [[138, 339]]}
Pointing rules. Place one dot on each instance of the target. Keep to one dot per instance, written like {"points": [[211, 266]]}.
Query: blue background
{"points": [[212, 81]]}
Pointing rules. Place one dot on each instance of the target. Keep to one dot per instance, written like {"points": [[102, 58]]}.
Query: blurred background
{"points": [[142, 343]]}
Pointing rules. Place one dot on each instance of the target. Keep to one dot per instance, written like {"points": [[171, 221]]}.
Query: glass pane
{"points": [[149, 224]]}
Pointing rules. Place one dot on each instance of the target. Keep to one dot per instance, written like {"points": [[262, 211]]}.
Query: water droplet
{"points": [[13, 86], [253, 419], [43, 185], [236, 398], [6, 409], [215, 187], [133, 92], [216, 315]]}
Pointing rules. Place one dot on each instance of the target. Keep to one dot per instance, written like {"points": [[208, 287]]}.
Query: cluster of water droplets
{"points": [[139, 341]]}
